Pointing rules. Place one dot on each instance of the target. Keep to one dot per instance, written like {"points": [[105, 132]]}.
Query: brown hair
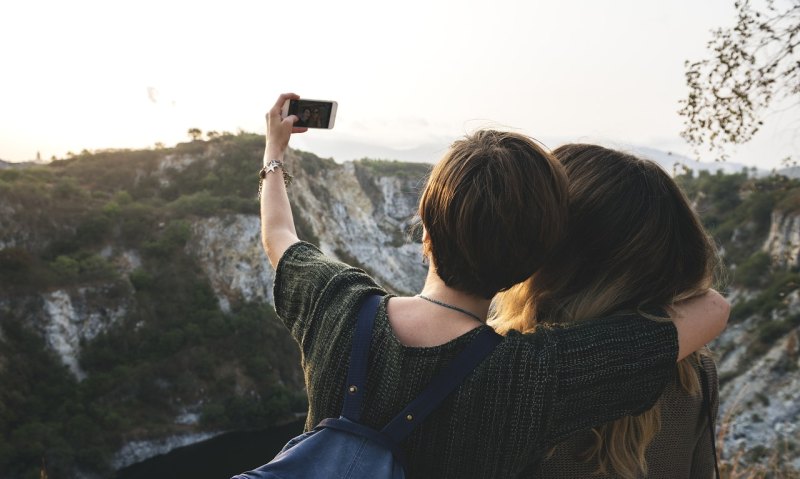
{"points": [[633, 243], [493, 207]]}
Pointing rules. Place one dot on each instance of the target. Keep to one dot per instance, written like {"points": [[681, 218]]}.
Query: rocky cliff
{"points": [[759, 356], [133, 287], [136, 272]]}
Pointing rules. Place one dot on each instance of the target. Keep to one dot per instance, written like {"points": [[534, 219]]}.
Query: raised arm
{"points": [[277, 223], [699, 320]]}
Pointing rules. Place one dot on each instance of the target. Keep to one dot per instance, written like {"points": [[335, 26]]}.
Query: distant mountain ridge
{"points": [[673, 163], [430, 152]]}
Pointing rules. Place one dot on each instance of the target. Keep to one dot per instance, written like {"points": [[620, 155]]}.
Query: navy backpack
{"points": [[345, 448]]}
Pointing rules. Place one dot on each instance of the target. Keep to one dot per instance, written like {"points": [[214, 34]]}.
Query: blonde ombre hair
{"points": [[633, 243]]}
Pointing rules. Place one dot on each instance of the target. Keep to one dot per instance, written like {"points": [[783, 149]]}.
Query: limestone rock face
{"points": [[783, 240], [137, 451], [759, 404], [230, 253], [351, 214], [69, 317], [364, 221]]}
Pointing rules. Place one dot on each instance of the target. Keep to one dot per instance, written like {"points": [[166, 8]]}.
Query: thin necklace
{"points": [[450, 306]]}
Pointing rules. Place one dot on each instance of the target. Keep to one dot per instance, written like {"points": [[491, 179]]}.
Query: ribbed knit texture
{"points": [[680, 450], [533, 390]]}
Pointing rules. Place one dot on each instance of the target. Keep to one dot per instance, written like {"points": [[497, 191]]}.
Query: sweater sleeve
{"points": [[310, 288], [608, 368]]}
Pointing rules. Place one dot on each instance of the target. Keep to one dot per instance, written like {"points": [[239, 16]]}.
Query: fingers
{"points": [[280, 129], [282, 99], [291, 120]]}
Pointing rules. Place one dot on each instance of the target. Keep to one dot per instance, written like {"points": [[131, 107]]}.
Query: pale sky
{"points": [[119, 74]]}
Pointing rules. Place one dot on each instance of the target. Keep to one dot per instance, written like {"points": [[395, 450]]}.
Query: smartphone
{"points": [[311, 113]]}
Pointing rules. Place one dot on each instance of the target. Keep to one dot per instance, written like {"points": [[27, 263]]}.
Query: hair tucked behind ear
{"points": [[633, 242]]}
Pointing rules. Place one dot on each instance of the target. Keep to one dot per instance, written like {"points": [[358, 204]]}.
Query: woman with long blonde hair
{"points": [[633, 244]]}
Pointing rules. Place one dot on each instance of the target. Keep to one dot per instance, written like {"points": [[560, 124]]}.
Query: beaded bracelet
{"points": [[270, 168]]}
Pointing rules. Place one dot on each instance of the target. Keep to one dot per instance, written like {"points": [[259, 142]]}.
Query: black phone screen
{"points": [[311, 113]]}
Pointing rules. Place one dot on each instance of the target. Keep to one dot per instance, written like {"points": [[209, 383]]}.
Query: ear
{"points": [[426, 246]]}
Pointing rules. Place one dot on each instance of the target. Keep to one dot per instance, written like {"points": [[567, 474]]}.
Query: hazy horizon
{"points": [[97, 75]]}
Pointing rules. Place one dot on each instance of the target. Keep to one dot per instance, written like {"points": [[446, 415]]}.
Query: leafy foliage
{"points": [[752, 65]]}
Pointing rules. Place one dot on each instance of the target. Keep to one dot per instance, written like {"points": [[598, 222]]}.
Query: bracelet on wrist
{"points": [[270, 168]]}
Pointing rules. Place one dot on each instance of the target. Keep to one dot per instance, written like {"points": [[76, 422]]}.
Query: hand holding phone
{"points": [[311, 113], [279, 129]]}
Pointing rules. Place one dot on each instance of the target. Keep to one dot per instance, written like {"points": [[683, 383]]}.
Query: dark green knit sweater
{"points": [[534, 390]]}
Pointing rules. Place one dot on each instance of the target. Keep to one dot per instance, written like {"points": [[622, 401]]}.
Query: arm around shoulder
{"points": [[699, 320]]}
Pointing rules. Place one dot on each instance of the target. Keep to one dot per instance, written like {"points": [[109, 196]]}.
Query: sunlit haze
{"points": [[407, 75]]}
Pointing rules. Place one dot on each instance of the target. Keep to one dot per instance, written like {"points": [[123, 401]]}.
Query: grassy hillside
{"points": [[174, 350]]}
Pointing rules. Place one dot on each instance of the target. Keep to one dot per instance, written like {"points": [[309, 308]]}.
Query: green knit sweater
{"points": [[532, 391]]}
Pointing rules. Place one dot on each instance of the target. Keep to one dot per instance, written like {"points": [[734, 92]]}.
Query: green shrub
{"points": [[68, 188], [137, 221], [173, 238], [768, 331], [95, 267], [212, 414], [770, 297], [401, 169], [200, 204], [754, 272], [93, 230], [312, 164], [20, 270], [123, 198], [304, 229], [10, 175], [15, 260], [141, 279], [790, 202], [112, 209], [66, 267]]}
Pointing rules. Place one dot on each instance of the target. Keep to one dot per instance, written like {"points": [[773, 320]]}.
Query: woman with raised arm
{"points": [[492, 210], [633, 245]]}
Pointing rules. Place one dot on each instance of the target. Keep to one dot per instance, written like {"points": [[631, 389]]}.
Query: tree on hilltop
{"points": [[753, 66], [195, 133]]}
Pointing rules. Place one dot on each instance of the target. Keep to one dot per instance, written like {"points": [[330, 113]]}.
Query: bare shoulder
{"points": [[416, 324]]}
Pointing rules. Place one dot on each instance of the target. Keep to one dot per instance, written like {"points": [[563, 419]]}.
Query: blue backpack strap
{"points": [[442, 385], [343, 424], [359, 353]]}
